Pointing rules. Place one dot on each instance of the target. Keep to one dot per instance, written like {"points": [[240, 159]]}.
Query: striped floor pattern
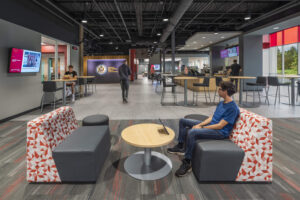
{"points": [[113, 183]]}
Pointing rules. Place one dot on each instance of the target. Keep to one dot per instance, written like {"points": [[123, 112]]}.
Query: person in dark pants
{"points": [[124, 72], [218, 126], [235, 70]]}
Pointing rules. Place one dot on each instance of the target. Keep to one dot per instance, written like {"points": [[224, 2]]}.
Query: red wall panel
{"points": [[291, 35]]}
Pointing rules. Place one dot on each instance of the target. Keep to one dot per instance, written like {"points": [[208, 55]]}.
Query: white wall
{"points": [[18, 92]]}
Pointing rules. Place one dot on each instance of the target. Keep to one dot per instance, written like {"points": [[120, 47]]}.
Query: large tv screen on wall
{"points": [[24, 61], [230, 52]]}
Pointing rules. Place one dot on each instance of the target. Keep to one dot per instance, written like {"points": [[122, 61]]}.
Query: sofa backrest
{"points": [[43, 135], [253, 133]]}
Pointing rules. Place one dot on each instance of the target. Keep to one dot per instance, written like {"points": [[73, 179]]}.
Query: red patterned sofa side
{"points": [[43, 135], [253, 134]]}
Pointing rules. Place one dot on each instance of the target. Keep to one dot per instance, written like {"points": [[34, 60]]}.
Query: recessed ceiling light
{"points": [[188, 45], [203, 37], [117, 48], [110, 42], [202, 45], [84, 21], [275, 28], [43, 43], [210, 42], [195, 42], [101, 35], [165, 19], [216, 33], [155, 42], [222, 37], [247, 17], [158, 34]]}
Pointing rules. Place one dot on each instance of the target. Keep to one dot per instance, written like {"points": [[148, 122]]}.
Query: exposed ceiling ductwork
{"points": [[173, 21]]}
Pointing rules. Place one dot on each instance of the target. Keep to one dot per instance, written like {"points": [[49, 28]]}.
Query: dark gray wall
{"points": [[18, 92], [251, 56], [30, 15]]}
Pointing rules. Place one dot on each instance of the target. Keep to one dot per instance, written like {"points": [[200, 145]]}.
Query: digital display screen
{"points": [[230, 52], [22, 61], [224, 53], [156, 67]]}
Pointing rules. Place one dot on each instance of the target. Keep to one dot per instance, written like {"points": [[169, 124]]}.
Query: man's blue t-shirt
{"points": [[227, 111]]}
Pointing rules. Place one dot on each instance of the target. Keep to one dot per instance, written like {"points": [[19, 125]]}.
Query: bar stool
{"points": [[49, 87], [218, 82], [273, 81], [260, 82], [168, 85], [205, 85]]}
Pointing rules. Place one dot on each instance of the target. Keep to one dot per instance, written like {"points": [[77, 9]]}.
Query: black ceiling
{"points": [[135, 23]]}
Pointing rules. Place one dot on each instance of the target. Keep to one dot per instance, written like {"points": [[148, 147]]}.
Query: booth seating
{"points": [[245, 156], [60, 151]]}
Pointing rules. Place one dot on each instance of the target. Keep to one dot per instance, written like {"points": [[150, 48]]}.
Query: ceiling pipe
{"points": [[100, 10], [119, 11], [273, 12], [71, 18], [173, 21], [139, 16]]}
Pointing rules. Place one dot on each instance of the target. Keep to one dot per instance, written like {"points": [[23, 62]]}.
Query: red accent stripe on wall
{"points": [[291, 35]]}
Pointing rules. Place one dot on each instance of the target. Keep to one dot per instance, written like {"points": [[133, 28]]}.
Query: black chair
{"points": [[273, 81], [158, 80], [49, 87], [205, 85], [168, 85], [261, 82], [92, 82], [218, 82], [79, 83]]}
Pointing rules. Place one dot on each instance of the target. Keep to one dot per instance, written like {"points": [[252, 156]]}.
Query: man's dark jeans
{"points": [[125, 88], [185, 132]]}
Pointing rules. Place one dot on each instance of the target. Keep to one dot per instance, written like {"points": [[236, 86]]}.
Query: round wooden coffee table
{"points": [[147, 164]]}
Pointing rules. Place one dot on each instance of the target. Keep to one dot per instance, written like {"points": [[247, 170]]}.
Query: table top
{"points": [[288, 76], [242, 77], [65, 80], [147, 135], [187, 78], [86, 76]]}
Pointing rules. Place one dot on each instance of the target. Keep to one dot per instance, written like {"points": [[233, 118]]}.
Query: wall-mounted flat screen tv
{"points": [[156, 67], [230, 52], [22, 61]]}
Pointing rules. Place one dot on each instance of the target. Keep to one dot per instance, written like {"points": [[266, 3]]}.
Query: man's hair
{"points": [[234, 60], [71, 66], [228, 86]]}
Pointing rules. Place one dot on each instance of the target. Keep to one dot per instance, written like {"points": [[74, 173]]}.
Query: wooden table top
{"points": [[147, 135], [64, 80], [287, 76], [187, 78], [242, 77], [86, 76]]}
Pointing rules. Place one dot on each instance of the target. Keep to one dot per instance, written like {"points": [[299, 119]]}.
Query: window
{"points": [[290, 59]]}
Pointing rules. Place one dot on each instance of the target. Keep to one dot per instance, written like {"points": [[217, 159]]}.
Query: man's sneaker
{"points": [[185, 168], [176, 150]]}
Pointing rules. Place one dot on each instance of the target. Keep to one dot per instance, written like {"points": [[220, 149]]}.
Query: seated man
{"points": [[218, 126], [72, 74]]}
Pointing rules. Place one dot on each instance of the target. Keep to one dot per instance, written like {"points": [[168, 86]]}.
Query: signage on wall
{"points": [[105, 70]]}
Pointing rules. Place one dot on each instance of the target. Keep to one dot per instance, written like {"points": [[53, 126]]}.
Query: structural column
{"points": [[164, 60], [56, 60], [81, 49], [173, 51]]}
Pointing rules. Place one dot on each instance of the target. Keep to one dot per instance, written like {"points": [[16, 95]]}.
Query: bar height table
{"points": [[64, 86], [185, 78], [85, 82], [241, 85], [292, 77]]}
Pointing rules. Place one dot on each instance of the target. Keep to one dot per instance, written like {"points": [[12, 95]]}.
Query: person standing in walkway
{"points": [[218, 126], [235, 70], [124, 72]]}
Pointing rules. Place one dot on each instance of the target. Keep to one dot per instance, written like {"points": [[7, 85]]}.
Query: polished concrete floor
{"points": [[144, 103]]}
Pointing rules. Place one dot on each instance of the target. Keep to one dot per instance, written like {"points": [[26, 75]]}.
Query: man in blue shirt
{"points": [[218, 126]]}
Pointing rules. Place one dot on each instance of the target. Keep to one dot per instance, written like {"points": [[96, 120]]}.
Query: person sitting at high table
{"points": [[218, 126], [72, 74]]}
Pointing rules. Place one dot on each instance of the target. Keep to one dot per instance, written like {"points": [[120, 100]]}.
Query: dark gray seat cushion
{"points": [[95, 120], [196, 116], [216, 160], [80, 157]]}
